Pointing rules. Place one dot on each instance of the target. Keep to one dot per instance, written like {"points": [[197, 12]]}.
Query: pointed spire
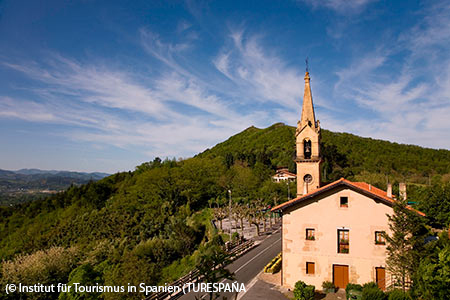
{"points": [[308, 108]]}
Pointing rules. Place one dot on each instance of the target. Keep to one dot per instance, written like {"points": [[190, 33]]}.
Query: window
{"points": [[310, 268], [343, 241], [307, 178], [310, 234], [344, 202], [379, 238]]}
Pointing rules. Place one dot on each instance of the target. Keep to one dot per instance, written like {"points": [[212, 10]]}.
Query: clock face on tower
{"points": [[307, 178]]}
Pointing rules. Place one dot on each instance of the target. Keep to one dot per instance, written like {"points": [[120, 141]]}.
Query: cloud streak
{"points": [[340, 6], [411, 104], [108, 106], [178, 106]]}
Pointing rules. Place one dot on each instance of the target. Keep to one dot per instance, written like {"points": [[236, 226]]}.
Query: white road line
{"points": [[250, 285], [257, 255]]}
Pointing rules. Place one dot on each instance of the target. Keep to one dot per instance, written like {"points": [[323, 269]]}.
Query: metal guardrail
{"points": [[236, 251]]}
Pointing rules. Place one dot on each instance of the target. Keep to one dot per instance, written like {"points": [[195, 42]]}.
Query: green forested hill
{"points": [[345, 155], [149, 225]]}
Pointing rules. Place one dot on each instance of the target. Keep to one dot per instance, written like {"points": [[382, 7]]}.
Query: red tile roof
{"points": [[361, 187], [286, 172]]}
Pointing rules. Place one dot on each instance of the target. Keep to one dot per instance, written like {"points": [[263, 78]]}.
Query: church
{"points": [[331, 232]]}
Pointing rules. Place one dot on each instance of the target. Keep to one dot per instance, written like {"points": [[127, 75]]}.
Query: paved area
{"points": [[340, 295], [249, 230], [263, 290], [268, 286], [247, 267]]}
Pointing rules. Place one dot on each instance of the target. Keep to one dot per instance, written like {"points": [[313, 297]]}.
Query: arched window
{"points": [[307, 149]]}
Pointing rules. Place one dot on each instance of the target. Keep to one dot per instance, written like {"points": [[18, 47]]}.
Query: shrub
{"points": [[398, 295], [44, 266], [303, 291], [328, 285], [370, 285], [352, 287], [85, 275], [371, 292]]}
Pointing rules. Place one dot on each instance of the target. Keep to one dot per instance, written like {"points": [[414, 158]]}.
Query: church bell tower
{"points": [[308, 158]]}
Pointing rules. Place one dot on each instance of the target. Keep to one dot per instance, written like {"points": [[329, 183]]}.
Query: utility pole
{"points": [[229, 212], [289, 192]]}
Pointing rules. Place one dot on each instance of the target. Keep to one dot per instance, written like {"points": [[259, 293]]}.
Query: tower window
{"points": [[307, 178], [344, 202], [307, 149]]}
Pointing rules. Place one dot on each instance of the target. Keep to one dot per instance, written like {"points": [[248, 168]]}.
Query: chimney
{"points": [[389, 190], [402, 190]]}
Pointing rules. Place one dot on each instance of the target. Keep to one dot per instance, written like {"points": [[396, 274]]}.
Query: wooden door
{"points": [[381, 278], [340, 276]]}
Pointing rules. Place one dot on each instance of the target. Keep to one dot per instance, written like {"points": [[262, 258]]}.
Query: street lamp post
{"points": [[289, 191], [229, 212]]}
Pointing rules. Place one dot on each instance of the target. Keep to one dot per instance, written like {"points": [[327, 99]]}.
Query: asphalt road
{"points": [[249, 265]]}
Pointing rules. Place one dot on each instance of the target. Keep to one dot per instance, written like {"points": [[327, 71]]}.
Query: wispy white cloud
{"points": [[93, 84], [110, 106], [410, 103], [340, 6], [260, 75], [24, 110], [182, 107]]}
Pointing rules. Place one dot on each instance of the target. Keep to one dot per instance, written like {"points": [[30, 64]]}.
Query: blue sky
{"points": [[107, 85]]}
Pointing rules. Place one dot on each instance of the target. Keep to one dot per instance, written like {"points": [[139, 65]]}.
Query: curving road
{"points": [[249, 265]]}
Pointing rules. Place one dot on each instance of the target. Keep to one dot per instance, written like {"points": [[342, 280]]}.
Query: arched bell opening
{"points": [[307, 149]]}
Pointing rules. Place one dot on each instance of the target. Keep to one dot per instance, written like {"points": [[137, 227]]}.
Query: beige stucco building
{"points": [[332, 232], [283, 175]]}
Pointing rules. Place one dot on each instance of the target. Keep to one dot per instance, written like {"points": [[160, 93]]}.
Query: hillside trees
{"points": [[44, 266], [345, 155], [432, 279], [147, 221], [434, 201], [211, 264], [142, 218]]}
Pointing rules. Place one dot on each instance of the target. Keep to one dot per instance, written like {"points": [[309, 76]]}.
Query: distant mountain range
{"points": [[94, 175], [29, 184]]}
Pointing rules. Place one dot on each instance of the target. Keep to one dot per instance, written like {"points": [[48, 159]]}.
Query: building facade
{"points": [[332, 232], [283, 175], [335, 233]]}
